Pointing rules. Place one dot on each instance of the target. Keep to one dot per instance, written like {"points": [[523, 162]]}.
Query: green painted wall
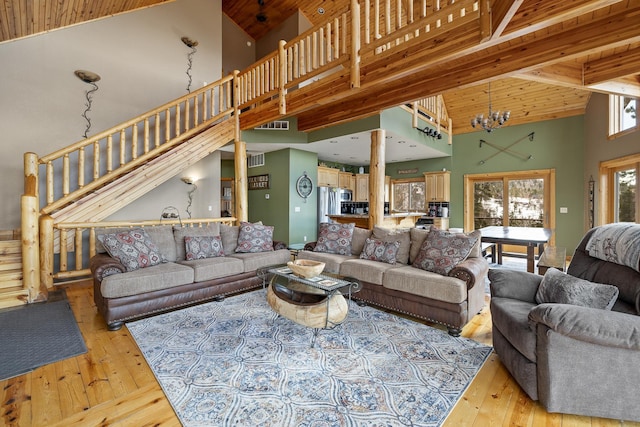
{"points": [[557, 144], [279, 209], [399, 121]]}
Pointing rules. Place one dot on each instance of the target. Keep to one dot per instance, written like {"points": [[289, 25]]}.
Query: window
{"points": [[520, 199], [408, 195], [620, 201], [622, 115]]}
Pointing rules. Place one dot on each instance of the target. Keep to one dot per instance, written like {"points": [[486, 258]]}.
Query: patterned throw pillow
{"points": [[379, 250], [199, 247], [334, 238], [443, 250], [254, 238], [133, 248]]}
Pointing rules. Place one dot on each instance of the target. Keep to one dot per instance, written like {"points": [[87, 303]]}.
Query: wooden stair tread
{"points": [[13, 297], [10, 247]]}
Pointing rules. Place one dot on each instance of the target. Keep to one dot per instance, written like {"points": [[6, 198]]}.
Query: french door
{"points": [[519, 199]]}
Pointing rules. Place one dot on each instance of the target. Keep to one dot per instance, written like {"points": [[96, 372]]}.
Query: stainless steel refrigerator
{"points": [[328, 203]]}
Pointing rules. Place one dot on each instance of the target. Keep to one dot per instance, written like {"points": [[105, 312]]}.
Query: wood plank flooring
{"points": [[112, 385]]}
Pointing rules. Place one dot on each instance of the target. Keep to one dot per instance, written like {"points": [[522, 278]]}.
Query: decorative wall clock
{"points": [[304, 186]]}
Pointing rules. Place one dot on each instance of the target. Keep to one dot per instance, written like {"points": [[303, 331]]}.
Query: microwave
{"points": [[346, 195]]}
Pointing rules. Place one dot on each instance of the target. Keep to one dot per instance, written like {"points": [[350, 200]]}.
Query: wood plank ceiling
{"points": [[534, 93]]}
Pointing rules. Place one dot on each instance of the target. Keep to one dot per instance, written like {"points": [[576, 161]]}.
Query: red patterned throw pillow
{"points": [[379, 250], [254, 238], [133, 248], [334, 238], [200, 247], [443, 250]]}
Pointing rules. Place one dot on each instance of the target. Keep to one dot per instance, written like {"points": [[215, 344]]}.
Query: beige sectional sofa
{"points": [[451, 299], [121, 295]]}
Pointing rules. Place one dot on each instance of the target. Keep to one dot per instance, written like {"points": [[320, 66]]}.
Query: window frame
{"points": [[615, 118], [548, 175], [393, 182], [608, 168]]}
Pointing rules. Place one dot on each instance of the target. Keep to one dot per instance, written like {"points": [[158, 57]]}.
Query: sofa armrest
{"points": [[596, 326], [310, 246], [102, 265], [514, 284], [278, 244], [470, 271]]}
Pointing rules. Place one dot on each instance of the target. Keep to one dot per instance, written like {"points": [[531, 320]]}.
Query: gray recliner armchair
{"points": [[573, 359]]}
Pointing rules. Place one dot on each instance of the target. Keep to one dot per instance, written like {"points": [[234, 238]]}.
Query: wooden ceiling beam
{"points": [[502, 12], [612, 67], [567, 74]]}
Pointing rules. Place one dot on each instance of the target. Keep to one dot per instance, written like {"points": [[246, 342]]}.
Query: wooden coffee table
{"points": [[318, 302]]}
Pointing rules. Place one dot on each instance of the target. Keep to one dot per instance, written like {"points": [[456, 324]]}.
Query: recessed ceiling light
{"points": [[333, 141], [321, 10], [402, 142], [413, 146], [355, 137], [336, 154]]}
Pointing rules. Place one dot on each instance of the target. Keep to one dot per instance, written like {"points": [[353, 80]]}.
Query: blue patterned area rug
{"points": [[237, 363]]}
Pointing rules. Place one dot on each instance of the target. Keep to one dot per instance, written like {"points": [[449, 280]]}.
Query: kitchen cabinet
{"points": [[362, 187], [346, 180], [438, 186], [328, 177]]}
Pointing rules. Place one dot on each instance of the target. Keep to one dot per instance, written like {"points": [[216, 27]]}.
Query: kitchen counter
{"points": [[392, 220]]}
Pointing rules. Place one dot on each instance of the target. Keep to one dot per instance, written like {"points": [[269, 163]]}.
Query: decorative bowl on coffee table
{"points": [[306, 268]]}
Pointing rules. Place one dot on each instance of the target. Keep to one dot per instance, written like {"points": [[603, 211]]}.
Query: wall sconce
{"points": [[91, 78], [190, 43], [190, 181]]}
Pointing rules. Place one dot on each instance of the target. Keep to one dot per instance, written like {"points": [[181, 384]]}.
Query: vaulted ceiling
{"points": [[546, 90]]}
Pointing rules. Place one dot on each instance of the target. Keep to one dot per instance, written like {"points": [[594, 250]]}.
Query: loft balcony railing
{"points": [[365, 32]]}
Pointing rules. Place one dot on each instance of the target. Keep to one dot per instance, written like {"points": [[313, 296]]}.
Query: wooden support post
{"points": [[282, 93], [355, 44], [241, 191], [30, 253], [376, 178], [46, 251]]}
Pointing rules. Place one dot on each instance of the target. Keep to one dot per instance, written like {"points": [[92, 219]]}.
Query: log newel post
{"points": [[46, 251], [30, 230], [282, 80], [376, 178], [240, 161], [355, 44]]}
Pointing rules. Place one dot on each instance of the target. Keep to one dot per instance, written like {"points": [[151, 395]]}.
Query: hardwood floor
{"points": [[112, 385]]}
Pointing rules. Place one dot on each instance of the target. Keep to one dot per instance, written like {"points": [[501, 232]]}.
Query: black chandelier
{"points": [[494, 119]]}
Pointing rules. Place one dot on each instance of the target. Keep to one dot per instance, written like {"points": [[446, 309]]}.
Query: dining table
{"points": [[531, 237]]}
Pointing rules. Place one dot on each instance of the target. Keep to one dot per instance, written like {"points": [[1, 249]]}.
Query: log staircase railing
{"points": [[365, 30]]}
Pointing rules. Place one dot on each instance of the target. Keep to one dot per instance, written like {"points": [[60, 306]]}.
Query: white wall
{"points": [[142, 62]]}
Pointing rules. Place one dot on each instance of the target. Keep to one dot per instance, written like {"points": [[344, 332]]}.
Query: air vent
{"points": [[275, 125], [255, 160]]}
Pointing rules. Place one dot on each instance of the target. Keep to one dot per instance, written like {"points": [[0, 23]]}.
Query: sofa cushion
{"points": [[133, 248], [366, 270], [161, 235], [442, 250], [379, 250], [360, 236], [157, 277], [418, 235], [332, 261], [229, 235], [255, 260], [214, 268], [415, 281], [180, 232], [199, 247], [402, 235], [511, 317], [562, 288], [254, 238], [334, 238]]}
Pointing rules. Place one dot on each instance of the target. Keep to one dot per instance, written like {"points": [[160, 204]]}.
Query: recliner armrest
{"points": [[470, 271], [602, 327], [102, 265], [514, 284]]}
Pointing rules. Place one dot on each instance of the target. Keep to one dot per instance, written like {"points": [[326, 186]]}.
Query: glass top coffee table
{"points": [[318, 302]]}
